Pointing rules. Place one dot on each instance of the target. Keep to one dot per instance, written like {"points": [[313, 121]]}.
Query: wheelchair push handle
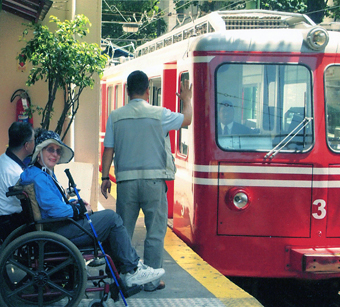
{"points": [[70, 178], [13, 192]]}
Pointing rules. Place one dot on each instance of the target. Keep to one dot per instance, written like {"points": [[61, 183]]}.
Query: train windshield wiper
{"points": [[291, 135]]}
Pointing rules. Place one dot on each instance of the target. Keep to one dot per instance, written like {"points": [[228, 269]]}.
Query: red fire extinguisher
{"points": [[22, 108]]}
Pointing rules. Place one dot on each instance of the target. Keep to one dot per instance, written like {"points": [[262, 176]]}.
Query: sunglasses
{"points": [[51, 150]]}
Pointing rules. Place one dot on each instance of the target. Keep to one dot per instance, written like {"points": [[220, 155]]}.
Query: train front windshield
{"points": [[263, 106]]}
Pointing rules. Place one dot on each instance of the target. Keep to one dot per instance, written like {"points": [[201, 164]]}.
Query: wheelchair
{"points": [[41, 268]]}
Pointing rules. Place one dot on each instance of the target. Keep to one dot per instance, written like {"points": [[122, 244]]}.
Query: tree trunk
{"points": [[47, 113]]}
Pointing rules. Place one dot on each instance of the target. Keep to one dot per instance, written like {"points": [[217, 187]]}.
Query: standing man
{"points": [[137, 134], [20, 145]]}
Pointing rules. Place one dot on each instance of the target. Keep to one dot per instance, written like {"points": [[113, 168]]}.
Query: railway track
{"points": [[291, 292]]}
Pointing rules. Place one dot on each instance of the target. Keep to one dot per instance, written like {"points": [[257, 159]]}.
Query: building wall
{"points": [[84, 138], [168, 7]]}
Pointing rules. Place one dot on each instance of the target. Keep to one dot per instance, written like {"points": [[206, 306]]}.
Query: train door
{"points": [[264, 108], [168, 100], [183, 197], [331, 209]]}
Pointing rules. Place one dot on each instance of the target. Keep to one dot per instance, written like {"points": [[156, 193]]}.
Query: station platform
{"points": [[189, 280]]}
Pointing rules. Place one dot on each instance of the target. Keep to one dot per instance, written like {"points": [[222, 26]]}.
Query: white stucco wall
{"points": [[86, 126]]}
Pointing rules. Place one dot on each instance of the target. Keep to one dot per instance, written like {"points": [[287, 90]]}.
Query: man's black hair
{"points": [[19, 133], [137, 83]]}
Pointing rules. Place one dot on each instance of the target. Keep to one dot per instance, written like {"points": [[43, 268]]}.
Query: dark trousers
{"points": [[111, 232]]}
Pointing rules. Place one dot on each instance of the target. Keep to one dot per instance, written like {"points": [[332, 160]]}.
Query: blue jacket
{"points": [[49, 198]]}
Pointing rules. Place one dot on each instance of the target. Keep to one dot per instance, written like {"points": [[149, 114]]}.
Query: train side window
{"points": [[118, 96], [155, 86], [332, 98], [259, 105], [183, 137], [110, 99], [159, 96], [126, 96]]}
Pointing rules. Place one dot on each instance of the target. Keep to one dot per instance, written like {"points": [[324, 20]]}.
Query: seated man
{"points": [[53, 203], [226, 123], [20, 146]]}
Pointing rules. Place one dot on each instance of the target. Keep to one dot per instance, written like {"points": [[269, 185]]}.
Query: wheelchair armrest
{"points": [[53, 220]]}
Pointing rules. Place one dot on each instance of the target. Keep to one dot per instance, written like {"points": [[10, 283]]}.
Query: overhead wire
{"points": [[160, 16], [185, 4], [115, 8], [145, 24]]}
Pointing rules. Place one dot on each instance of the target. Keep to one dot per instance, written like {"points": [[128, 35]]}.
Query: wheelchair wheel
{"points": [[21, 230], [41, 269]]}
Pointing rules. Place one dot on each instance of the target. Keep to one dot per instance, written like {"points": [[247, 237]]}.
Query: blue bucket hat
{"points": [[50, 137]]}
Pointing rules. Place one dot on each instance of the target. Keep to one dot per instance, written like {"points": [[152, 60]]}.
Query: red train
{"points": [[263, 200]]}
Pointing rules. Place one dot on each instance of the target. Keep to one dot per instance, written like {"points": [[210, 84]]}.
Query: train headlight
{"points": [[317, 38], [237, 199], [240, 200]]}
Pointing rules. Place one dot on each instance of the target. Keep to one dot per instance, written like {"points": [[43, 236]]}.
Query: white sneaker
{"points": [[143, 275]]}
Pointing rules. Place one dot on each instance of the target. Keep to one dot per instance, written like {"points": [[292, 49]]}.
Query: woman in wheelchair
{"points": [[53, 203]]}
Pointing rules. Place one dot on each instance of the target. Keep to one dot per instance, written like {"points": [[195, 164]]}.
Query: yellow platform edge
{"points": [[220, 286]]}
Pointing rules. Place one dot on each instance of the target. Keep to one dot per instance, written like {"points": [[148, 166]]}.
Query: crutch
{"points": [[80, 201]]}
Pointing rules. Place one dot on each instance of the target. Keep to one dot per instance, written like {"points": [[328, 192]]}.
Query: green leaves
{"points": [[147, 12], [296, 6], [63, 61], [60, 52]]}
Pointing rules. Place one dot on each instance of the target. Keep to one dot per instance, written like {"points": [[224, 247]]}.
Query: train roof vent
{"points": [[254, 22], [262, 19]]}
